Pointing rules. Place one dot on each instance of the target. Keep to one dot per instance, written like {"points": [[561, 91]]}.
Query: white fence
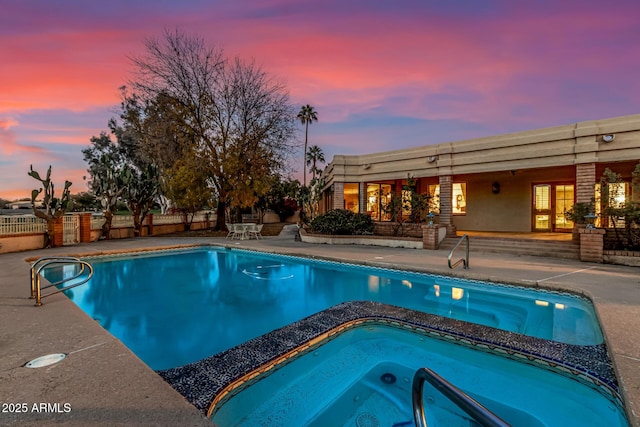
{"points": [[70, 229], [21, 224], [11, 225], [97, 222], [167, 219], [121, 221]]}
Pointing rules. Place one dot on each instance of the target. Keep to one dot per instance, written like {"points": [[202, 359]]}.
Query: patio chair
{"points": [[239, 231], [231, 230], [255, 231]]}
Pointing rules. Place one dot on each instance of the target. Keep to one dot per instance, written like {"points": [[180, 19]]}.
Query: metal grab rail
{"points": [[41, 260], [41, 263], [464, 260], [465, 402]]}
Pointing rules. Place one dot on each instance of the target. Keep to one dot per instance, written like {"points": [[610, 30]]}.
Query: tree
{"points": [[307, 115], [236, 116], [620, 210], [84, 201], [417, 204], [120, 171], [282, 197], [158, 137], [141, 190], [187, 185], [54, 207], [315, 156], [106, 162]]}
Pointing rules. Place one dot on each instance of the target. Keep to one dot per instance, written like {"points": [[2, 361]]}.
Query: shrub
{"points": [[362, 224], [342, 222], [579, 211]]}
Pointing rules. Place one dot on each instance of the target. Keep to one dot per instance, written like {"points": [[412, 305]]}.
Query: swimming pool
{"points": [[362, 376], [176, 307]]}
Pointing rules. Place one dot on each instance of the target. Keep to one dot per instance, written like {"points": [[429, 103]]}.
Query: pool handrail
{"points": [[41, 263], [459, 398], [465, 260], [41, 260]]}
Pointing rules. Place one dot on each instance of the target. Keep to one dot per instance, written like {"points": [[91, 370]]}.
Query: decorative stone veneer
{"points": [[431, 236], [58, 230], [405, 229], [591, 244], [585, 182]]}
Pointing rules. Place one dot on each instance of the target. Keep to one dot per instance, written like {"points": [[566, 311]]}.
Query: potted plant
{"points": [[577, 214]]}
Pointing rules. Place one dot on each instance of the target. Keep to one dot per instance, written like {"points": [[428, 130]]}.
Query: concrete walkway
{"points": [[102, 383]]}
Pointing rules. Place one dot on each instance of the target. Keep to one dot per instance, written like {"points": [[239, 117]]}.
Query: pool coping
{"points": [[204, 383]]}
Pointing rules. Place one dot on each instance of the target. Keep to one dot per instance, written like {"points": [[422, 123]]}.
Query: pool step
{"points": [[567, 249]]}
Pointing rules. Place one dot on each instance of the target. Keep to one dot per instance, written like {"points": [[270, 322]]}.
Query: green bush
{"points": [[579, 211], [362, 224], [342, 222]]}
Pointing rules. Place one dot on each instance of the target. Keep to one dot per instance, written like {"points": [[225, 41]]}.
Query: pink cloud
{"points": [[509, 65]]}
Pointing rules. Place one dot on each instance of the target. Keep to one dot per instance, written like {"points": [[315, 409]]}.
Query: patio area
{"points": [[103, 383]]}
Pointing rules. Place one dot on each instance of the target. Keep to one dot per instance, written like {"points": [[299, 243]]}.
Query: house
{"points": [[25, 204], [518, 182]]}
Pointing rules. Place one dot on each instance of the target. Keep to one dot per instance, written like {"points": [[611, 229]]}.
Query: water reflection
{"points": [[180, 307]]}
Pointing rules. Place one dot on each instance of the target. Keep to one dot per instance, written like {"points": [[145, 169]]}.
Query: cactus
{"points": [[54, 207]]}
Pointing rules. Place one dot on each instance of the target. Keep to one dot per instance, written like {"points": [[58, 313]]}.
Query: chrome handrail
{"points": [[36, 288], [462, 400], [464, 260], [43, 259]]}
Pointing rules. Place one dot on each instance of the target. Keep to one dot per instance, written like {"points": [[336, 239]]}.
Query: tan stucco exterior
{"points": [[573, 154]]}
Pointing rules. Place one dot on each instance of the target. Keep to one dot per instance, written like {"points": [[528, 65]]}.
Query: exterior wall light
{"points": [[495, 187], [608, 138]]}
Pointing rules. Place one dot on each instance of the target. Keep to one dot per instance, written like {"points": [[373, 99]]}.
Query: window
{"points": [[458, 198], [614, 197], [564, 202], [352, 197], [406, 203], [378, 197]]}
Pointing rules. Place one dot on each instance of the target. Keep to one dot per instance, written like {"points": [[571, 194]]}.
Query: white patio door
{"points": [[542, 207]]}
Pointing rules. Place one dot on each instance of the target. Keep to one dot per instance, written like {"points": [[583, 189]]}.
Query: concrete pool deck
{"points": [[102, 383]]}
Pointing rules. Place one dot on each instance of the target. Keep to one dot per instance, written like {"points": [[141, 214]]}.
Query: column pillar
{"points": [[338, 195], [585, 182], [592, 244], [149, 224], [85, 227], [58, 232], [430, 237], [362, 198], [446, 192]]}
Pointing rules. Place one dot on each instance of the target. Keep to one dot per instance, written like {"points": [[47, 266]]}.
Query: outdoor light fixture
{"points": [[431, 159], [495, 187], [608, 138], [366, 166], [47, 360]]}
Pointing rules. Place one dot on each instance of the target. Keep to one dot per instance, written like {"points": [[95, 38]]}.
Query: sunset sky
{"points": [[382, 75]]}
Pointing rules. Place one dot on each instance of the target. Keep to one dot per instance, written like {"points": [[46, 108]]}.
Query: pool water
{"points": [[363, 378], [176, 307]]}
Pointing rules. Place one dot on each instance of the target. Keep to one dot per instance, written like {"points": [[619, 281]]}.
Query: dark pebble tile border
{"points": [[200, 382]]}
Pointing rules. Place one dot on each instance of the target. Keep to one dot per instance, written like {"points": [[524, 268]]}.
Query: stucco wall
{"points": [[511, 208], [25, 242], [540, 148]]}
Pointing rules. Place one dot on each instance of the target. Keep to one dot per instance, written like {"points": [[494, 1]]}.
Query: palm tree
{"points": [[307, 115], [315, 155]]}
